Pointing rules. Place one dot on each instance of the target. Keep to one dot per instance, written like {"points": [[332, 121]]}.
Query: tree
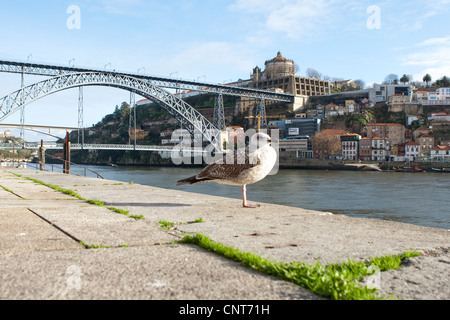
{"points": [[427, 79], [360, 83], [404, 79], [391, 79], [444, 82], [313, 73], [326, 144]]}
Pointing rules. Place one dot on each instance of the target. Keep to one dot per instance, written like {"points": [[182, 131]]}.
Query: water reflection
{"points": [[420, 199]]}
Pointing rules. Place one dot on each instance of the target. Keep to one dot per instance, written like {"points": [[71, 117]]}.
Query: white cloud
{"points": [[211, 58], [433, 56], [435, 41], [293, 18]]}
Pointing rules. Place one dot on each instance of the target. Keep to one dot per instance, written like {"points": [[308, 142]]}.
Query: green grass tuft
{"points": [[336, 281], [93, 246], [77, 196], [166, 225]]}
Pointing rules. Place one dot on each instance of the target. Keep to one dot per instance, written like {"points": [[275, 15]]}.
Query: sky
{"points": [[216, 41]]}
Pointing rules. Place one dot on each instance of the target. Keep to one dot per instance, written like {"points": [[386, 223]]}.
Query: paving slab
{"points": [[21, 231], [171, 272], [272, 231], [101, 227]]}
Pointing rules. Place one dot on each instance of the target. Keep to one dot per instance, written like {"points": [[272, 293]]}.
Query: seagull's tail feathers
{"points": [[192, 180]]}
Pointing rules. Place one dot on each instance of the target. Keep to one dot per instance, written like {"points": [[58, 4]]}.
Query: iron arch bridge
{"points": [[122, 147], [190, 118]]}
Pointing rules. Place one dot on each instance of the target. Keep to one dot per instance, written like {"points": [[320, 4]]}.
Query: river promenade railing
{"points": [[52, 167]]}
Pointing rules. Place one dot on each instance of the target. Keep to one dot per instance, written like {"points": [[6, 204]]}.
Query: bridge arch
{"points": [[190, 118]]}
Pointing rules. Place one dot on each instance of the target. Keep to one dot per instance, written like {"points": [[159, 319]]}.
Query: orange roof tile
{"points": [[334, 131], [384, 124]]}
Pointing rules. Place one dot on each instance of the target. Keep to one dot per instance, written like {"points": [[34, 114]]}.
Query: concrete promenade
{"points": [[41, 256]]}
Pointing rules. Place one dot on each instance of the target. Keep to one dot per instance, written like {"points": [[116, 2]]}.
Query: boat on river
{"points": [[413, 168], [441, 170]]}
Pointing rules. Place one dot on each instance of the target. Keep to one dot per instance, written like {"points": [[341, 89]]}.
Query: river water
{"points": [[414, 198]]}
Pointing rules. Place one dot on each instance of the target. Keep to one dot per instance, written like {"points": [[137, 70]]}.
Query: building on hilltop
{"points": [[439, 97], [279, 74], [345, 85], [382, 92], [397, 103]]}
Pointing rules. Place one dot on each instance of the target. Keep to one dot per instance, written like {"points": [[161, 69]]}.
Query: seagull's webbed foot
{"points": [[244, 196], [253, 206]]}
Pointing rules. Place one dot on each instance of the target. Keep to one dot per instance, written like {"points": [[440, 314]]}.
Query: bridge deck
{"points": [[124, 147], [55, 70]]}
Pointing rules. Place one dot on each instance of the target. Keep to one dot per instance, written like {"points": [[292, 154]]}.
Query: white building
{"points": [[382, 92], [439, 117], [439, 97], [441, 153], [5, 134], [380, 148], [412, 151]]}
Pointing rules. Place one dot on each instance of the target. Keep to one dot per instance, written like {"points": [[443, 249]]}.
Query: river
{"points": [[414, 198]]}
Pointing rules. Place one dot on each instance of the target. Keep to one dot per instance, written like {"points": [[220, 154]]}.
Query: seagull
{"points": [[249, 165]]}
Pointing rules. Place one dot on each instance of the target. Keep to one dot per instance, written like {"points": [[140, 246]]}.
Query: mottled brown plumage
{"points": [[241, 169]]}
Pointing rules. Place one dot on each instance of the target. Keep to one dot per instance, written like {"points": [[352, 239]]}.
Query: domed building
{"points": [[279, 75], [279, 67]]}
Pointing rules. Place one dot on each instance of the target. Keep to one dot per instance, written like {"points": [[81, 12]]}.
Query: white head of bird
{"points": [[259, 140]]}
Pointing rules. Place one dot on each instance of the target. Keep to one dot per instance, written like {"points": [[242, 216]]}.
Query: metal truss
{"points": [[219, 113], [123, 147], [175, 84], [190, 118], [261, 112]]}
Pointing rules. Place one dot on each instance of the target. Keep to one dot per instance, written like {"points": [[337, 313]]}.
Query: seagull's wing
{"points": [[226, 169]]}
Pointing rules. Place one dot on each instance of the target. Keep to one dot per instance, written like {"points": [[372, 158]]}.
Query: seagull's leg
{"points": [[244, 197]]}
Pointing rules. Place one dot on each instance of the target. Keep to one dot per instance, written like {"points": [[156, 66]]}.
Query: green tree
{"points": [[404, 79], [444, 82], [427, 79]]}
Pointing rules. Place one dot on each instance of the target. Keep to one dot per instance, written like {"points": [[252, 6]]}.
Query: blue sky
{"points": [[219, 41]]}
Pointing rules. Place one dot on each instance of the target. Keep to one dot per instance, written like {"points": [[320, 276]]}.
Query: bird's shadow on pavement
{"points": [[137, 204]]}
